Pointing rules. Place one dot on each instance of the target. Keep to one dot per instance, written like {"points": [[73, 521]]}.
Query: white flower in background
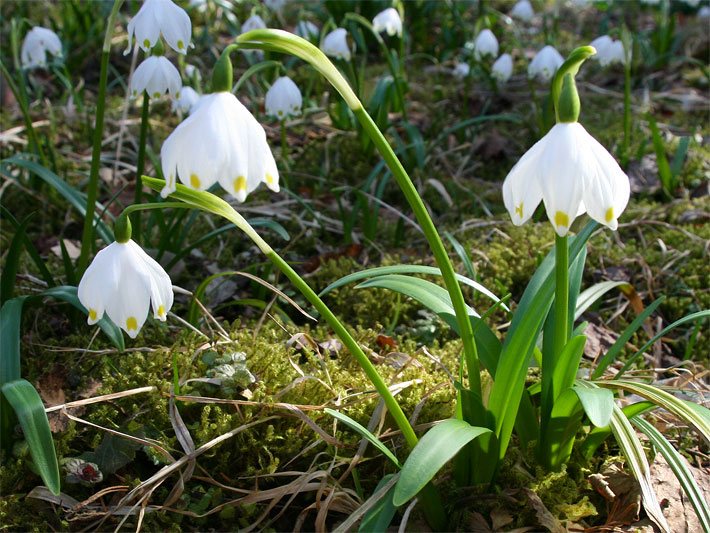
{"points": [[156, 75], [609, 51], [523, 10], [37, 43], [219, 142], [461, 69], [545, 64], [572, 173], [389, 21], [255, 22], [704, 12], [502, 69], [307, 30], [651, 2], [283, 99], [485, 44], [192, 72], [335, 44], [185, 101], [124, 281], [275, 5], [691, 3], [157, 17]]}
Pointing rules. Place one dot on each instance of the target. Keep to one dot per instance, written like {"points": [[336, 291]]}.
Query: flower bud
{"points": [[222, 75]]}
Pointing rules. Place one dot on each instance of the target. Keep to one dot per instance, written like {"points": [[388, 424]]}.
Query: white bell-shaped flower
{"points": [[219, 142], [255, 22], [156, 17], [704, 12], [389, 21], [157, 76], [523, 10], [502, 69], [609, 51], [545, 64], [335, 44], [123, 281], [186, 100], [275, 5], [283, 99], [37, 43], [485, 45], [571, 173], [307, 30], [461, 69]]}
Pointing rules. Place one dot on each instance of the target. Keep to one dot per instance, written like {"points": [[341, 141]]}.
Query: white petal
{"points": [[100, 282], [522, 190], [175, 26], [128, 307], [161, 288]]}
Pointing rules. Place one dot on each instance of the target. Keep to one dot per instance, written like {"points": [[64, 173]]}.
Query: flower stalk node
{"points": [[122, 228], [222, 74], [568, 106], [158, 49], [571, 67]]}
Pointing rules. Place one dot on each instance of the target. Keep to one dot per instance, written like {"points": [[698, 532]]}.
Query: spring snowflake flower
{"points": [[704, 12], [502, 69], [219, 142], [156, 17], [609, 51], [37, 43], [485, 44], [545, 64], [156, 75], [186, 100], [571, 173], [335, 44], [523, 10], [123, 281], [283, 99], [255, 22], [307, 30], [389, 21], [461, 69]]}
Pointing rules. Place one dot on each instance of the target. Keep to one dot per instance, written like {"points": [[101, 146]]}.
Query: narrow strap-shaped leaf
{"points": [[694, 414], [362, 430], [437, 447], [380, 516], [405, 269], [600, 434], [31, 249], [29, 408], [700, 315], [680, 468], [12, 261], [74, 197], [593, 293], [612, 353], [636, 460]]}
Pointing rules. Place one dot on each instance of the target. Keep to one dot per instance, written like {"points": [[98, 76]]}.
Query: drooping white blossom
{"points": [[186, 100], [502, 69], [255, 22], [220, 141], [156, 75], [389, 21], [123, 281], [156, 17], [335, 44], [307, 30], [609, 51], [283, 99], [523, 10], [461, 69], [545, 64], [571, 173], [486, 44], [37, 43]]}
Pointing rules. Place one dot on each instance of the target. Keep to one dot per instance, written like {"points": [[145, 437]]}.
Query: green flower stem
{"points": [[140, 166], [561, 297], [437, 246], [92, 190], [284, 42]]}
